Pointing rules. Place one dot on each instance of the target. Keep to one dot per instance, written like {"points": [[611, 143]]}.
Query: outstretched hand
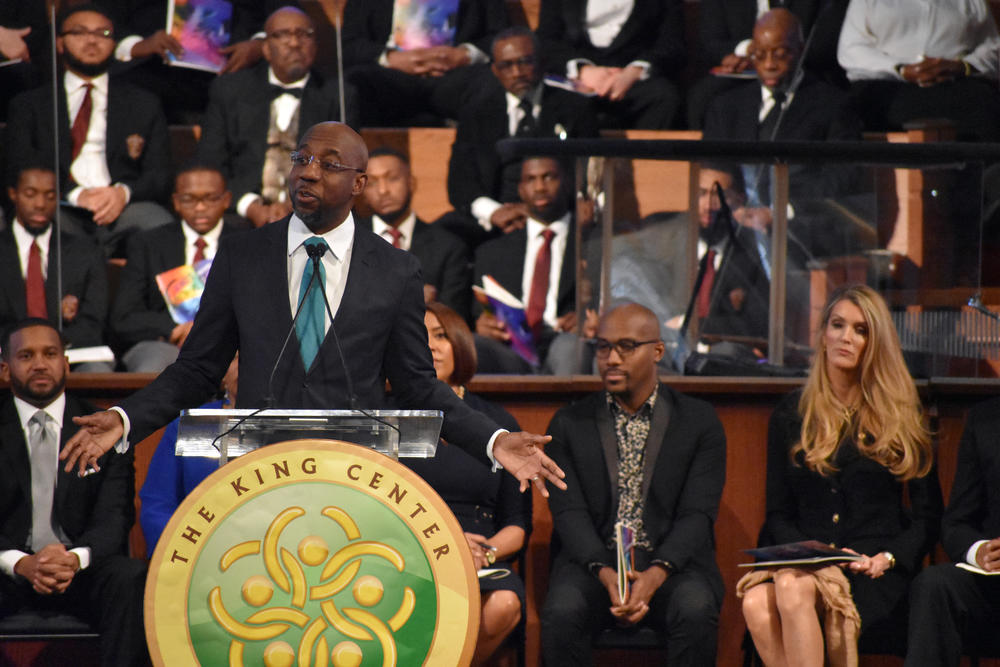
{"points": [[98, 433], [521, 455]]}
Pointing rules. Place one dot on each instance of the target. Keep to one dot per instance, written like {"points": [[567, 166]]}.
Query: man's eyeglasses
{"points": [[525, 61], [285, 35], [624, 347], [300, 159], [103, 33], [780, 54], [192, 200]]}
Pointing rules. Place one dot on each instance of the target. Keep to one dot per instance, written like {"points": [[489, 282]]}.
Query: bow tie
{"points": [[278, 91]]}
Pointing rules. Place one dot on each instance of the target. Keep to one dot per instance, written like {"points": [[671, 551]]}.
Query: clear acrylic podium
{"points": [[395, 433]]}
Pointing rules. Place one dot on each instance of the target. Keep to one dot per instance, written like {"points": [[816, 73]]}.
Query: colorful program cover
{"points": [[625, 544], [202, 27], [419, 24], [508, 309], [182, 287]]}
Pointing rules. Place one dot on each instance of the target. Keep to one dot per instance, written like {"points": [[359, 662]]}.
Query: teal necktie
{"points": [[312, 308]]}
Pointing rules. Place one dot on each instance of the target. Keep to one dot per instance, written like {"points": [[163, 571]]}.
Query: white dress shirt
{"points": [[55, 411], [406, 227], [534, 229], [336, 261], [23, 238], [90, 168], [878, 35], [604, 20], [211, 238]]}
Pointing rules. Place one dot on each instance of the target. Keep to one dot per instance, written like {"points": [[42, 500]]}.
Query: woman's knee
{"points": [[501, 611], [758, 606], [794, 593]]}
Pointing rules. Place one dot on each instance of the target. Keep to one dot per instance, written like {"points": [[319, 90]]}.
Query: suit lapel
{"points": [[654, 441], [609, 445], [11, 281], [13, 448]]}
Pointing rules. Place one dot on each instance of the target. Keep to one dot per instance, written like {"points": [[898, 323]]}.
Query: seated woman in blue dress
{"points": [[494, 514], [841, 455], [170, 478]]}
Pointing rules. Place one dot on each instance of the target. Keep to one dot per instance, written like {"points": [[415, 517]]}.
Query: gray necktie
{"points": [[43, 480]]}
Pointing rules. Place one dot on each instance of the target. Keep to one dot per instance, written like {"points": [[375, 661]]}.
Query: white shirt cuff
{"points": [[489, 449], [123, 51], [128, 191], [644, 66], [483, 209], [74, 195], [970, 555], [245, 201], [122, 445], [83, 553], [743, 48], [573, 67], [476, 56], [8, 559]]}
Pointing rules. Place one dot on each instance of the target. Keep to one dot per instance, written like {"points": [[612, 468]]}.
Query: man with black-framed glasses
{"points": [[147, 337], [256, 116], [640, 454]]}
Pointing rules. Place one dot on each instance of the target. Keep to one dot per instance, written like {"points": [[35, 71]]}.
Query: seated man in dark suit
{"points": [[954, 611], [255, 117], [412, 68], [536, 265], [644, 455], [444, 259], [626, 54], [29, 279], [63, 538], [140, 321], [113, 138], [145, 46], [514, 102], [788, 104]]}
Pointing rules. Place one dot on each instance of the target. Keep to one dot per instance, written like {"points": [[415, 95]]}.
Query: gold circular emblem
{"points": [[312, 552]]}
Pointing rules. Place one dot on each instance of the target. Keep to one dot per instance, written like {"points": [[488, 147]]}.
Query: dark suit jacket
{"points": [[475, 169], [444, 263], [722, 24], [95, 511], [684, 469], [84, 276], [234, 132], [245, 307], [741, 292], [973, 512], [132, 113], [653, 32], [368, 23], [139, 312]]}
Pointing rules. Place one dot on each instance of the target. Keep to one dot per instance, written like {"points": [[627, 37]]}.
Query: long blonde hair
{"points": [[889, 412]]}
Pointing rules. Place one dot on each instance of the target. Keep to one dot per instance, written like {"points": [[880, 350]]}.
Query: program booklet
{"points": [[625, 548], [420, 24], [810, 552], [203, 29], [182, 287], [976, 570], [508, 309]]}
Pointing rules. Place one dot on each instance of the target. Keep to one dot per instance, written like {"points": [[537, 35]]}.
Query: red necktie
{"points": [[82, 122], [396, 235], [540, 282], [199, 250], [705, 292], [34, 284]]}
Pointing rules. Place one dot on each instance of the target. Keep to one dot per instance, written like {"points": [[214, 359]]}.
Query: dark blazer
{"points": [[132, 114], [653, 32], [503, 258], [95, 511], [368, 23], [139, 312], [234, 131], [684, 469], [973, 512], [722, 24], [475, 169], [380, 324], [444, 263], [84, 276]]}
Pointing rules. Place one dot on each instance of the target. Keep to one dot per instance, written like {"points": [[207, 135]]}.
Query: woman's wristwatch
{"points": [[889, 557]]}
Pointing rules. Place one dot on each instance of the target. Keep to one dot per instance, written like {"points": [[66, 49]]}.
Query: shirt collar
{"points": [[513, 102], [24, 237], [211, 236], [405, 227], [536, 227], [55, 410], [645, 409], [340, 238], [274, 81], [74, 81]]}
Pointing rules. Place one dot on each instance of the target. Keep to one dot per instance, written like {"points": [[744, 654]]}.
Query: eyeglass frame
{"points": [[285, 34], [523, 61], [602, 352], [299, 159], [191, 200], [103, 33]]}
